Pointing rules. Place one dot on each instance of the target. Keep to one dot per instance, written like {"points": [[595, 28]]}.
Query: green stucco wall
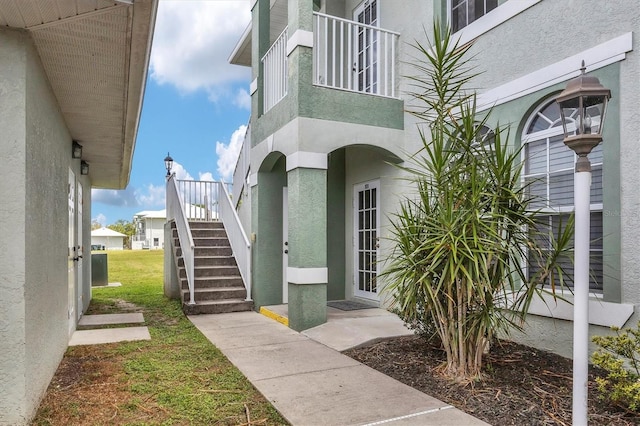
{"points": [[266, 223], [336, 211], [307, 218]]}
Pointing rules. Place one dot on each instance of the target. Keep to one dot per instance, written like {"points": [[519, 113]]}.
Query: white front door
{"points": [[366, 219], [366, 46], [79, 255], [71, 255], [285, 244]]}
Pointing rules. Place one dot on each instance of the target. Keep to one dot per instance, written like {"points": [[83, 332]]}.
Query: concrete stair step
{"points": [[210, 261], [225, 293], [217, 307], [206, 225], [211, 242], [204, 233], [208, 251], [214, 282], [211, 271]]}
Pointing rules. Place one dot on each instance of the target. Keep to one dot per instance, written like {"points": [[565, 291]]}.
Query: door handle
{"points": [[286, 252], [77, 258]]}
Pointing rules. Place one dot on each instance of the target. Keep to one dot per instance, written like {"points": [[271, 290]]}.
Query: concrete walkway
{"points": [[311, 384], [109, 335]]}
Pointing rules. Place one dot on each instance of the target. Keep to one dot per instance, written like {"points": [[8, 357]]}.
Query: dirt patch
{"points": [[522, 386], [86, 390]]}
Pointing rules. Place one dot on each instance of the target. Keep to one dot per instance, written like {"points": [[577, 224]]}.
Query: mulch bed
{"points": [[522, 385]]}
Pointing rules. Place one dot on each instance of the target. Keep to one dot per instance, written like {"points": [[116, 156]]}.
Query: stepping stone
{"points": [[109, 319], [109, 335]]}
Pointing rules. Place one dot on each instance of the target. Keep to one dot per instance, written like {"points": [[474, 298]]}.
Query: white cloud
{"points": [[228, 154], [120, 198], [206, 177], [193, 41], [243, 99], [101, 219], [180, 172], [153, 196]]}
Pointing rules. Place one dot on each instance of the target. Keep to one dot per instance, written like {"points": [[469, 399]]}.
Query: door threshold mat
{"points": [[348, 305]]}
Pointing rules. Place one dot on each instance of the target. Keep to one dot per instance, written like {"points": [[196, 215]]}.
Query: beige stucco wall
{"points": [[34, 323], [12, 227]]}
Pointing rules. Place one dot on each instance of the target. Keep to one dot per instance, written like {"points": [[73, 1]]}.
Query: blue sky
{"points": [[196, 105]]}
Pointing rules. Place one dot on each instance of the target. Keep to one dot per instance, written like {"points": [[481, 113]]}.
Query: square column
{"points": [[307, 272]]}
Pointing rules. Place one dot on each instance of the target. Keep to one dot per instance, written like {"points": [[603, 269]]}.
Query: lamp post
{"points": [[168, 164], [583, 105]]}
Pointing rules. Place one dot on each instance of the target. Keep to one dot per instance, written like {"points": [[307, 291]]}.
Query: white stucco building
{"points": [[107, 239], [72, 78], [149, 226]]}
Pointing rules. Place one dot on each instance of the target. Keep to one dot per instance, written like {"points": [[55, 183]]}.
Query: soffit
{"points": [[241, 54], [95, 54]]}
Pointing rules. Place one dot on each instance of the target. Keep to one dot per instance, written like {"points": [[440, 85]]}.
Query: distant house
{"points": [[149, 230], [107, 239], [72, 78]]}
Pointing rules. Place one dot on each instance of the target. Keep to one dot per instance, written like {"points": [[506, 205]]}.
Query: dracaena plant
{"points": [[464, 239]]}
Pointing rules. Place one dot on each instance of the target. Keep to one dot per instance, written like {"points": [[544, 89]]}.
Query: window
{"points": [[549, 172], [464, 12], [156, 242]]}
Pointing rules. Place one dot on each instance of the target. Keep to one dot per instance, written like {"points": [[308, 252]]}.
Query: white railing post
{"points": [[275, 72], [336, 57]]}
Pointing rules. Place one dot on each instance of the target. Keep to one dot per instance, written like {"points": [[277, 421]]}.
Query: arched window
{"points": [[549, 172]]}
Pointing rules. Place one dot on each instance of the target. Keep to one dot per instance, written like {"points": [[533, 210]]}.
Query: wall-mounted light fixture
{"points": [[76, 150], [84, 168]]}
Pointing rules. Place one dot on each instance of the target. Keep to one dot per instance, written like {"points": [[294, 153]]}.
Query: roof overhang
{"points": [[96, 55], [241, 54]]}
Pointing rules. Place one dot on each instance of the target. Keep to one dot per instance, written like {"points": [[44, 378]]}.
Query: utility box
{"points": [[99, 269]]}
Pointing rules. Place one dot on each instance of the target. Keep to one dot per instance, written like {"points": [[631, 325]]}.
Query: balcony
{"points": [[347, 55], [354, 56]]}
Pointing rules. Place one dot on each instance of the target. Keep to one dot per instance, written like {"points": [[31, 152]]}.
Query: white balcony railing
{"points": [[352, 56], [275, 72], [242, 169]]}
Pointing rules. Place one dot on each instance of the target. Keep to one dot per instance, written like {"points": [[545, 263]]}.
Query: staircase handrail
{"points": [[177, 213], [237, 238]]}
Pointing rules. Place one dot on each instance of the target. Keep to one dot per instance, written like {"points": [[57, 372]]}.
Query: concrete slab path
{"points": [[109, 319], [312, 384], [109, 335]]}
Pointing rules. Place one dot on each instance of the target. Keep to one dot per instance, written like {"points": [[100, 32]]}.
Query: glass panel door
{"points": [[367, 238], [366, 46]]}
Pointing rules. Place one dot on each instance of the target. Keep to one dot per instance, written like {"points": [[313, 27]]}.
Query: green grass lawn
{"points": [[178, 377]]}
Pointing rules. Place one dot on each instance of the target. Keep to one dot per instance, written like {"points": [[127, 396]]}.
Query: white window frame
{"points": [[495, 17], [545, 135]]}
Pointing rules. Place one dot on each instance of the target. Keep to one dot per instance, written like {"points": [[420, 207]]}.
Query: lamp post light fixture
{"points": [[583, 107], [168, 164]]}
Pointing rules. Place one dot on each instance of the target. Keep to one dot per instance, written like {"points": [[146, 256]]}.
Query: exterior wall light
{"points": [[168, 164], [84, 168], [76, 150], [583, 106]]}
